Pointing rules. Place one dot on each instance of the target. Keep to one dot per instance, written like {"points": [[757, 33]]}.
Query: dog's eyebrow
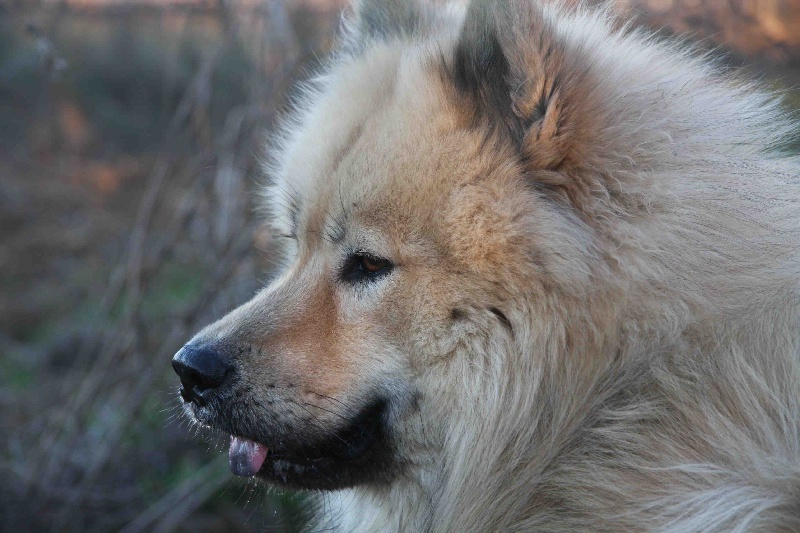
{"points": [[336, 232], [294, 217]]}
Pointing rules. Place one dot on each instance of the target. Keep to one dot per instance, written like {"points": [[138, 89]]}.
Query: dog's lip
{"points": [[285, 456], [247, 457]]}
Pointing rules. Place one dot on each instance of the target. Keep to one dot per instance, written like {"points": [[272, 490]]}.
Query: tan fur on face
{"points": [[592, 320]]}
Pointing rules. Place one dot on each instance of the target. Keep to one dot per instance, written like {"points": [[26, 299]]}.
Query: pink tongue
{"points": [[246, 456]]}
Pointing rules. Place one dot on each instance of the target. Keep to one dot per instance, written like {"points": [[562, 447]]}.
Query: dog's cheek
{"points": [[419, 323]]}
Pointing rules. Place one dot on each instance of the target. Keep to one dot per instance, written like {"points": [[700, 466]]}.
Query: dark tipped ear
{"points": [[513, 67], [503, 59], [481, 70], [383, 20]]}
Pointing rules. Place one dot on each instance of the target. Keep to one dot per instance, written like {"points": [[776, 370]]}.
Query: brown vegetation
{"points": [[758, 29], [127, 223]]}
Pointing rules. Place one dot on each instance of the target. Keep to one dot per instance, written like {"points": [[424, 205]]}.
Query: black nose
{"points": [[202, 368]]}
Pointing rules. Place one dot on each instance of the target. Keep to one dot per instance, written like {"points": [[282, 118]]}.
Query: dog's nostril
{"points": [[200, 368], [192, 379]]}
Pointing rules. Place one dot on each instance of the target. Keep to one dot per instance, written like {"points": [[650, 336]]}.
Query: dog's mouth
{"points": [[356, 454]]}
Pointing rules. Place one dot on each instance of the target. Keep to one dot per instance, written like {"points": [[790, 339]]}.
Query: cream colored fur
{"points": [[650, 378]]}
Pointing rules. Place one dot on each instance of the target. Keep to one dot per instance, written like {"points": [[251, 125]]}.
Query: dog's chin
{"points": [[359, 453]]}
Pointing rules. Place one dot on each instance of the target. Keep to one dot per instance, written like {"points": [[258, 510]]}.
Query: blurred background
{"points": [[130, 135]]}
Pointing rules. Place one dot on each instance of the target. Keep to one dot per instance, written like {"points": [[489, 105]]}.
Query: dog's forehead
{"points": [[382, 129]]}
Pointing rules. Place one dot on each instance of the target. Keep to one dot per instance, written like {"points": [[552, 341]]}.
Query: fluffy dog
{"points": [[541, 275]]}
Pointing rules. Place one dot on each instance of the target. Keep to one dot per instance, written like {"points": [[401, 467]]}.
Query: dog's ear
{"points": [[376, 20], [481, 69], [512, 64]]}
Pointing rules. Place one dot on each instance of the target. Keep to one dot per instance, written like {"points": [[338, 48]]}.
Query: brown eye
{"points": [[372, 264], [361, 266]]}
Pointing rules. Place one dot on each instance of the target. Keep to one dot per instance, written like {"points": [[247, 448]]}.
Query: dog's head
{"points": [[424, 192], [459, 193]]}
